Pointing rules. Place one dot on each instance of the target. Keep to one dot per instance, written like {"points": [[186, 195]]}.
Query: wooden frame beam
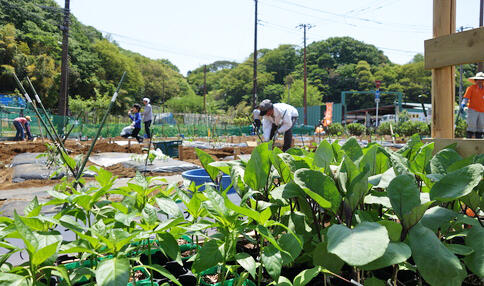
{"points": [[461, 48]]}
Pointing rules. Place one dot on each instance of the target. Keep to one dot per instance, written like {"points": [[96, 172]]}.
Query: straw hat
{"points": [[28, 118], [479, 76]]}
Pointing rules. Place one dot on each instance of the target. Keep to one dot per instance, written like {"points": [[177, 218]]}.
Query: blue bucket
{"points": [[200, 177]]}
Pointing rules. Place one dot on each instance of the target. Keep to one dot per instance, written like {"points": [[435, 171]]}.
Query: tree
{"points": [[314, 97]]}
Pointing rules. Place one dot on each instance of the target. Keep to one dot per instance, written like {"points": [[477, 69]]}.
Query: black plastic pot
{"points": [[188, 279], [176, 269]]}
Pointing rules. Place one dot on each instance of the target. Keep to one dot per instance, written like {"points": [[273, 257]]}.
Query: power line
{"points": [[345, 16]]}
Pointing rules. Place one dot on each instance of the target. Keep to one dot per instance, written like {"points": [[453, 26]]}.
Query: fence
{"points": [[186, 125]]}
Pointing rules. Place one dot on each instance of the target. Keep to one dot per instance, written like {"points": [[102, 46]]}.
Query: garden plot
{"points": [[137, 162]]}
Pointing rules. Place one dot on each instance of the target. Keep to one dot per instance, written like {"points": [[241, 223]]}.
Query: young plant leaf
{"points": [[208, 256], [360, 245], [247, 262], [436, 217], [323, 156], [475, 240], [258, 168], [396, 252], [323, 258], [44, 253], [206, 159], [413, 217], [394, 229], [169, 207], [306, 276], [272, 261], [169, 246], [440, 163], [113, 272], [352, 149], [435, 262], [319, 187], [10, 279], [457, 184], [404, 194], [291, 245]]}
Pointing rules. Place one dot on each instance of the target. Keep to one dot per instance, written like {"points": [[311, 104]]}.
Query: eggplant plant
{"points": [[343, 213]]}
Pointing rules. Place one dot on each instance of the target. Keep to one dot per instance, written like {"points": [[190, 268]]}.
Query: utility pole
{"points": [[480, 66], [254, 98], [63, 98], [304, 26], [163, 91], [205, 89]]}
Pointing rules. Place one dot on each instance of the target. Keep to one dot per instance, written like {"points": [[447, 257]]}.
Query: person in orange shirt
{"points": [[475, 114]]}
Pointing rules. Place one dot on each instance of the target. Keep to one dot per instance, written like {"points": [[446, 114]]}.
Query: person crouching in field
{"points": [[136, 117], [22, 125]]}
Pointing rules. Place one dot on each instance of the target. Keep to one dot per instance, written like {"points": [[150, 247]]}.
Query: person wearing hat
{"points": [[257, 123], [278, 118], [22, 125], [147, 116], [475, 113]]}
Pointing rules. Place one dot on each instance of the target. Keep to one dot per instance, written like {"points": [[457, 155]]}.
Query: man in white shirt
{"points": [[278, 118]]}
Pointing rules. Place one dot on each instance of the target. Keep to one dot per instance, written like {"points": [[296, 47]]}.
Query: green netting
{"points": [[114, 125]]}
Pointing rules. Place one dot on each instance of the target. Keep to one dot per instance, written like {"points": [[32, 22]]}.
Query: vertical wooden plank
{"points": [[443, 86], [180, 152]]}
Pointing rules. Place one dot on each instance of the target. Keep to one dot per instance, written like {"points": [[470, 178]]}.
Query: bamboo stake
{"points": [[113, 99]]}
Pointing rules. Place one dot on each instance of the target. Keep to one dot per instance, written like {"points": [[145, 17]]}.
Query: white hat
{"points": [[479, 75], [146, 99]]}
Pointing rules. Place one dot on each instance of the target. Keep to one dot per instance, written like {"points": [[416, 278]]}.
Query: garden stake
{"points": [[149, 147], [113, 99], [29, 100], [46, 114]]}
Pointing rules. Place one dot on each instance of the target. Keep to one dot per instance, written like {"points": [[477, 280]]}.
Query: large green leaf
{"points": [[306, 276], [422, 159], [457, 184], [281, 167], [10, 279], [369, 159], [352, 149], [440, 163], [208, 256], [359, 246], [323, 258], [404, 194], [258, 168], [291, 245], [435, 262], [394, 229], [435, 217], [320, 187], [399, 163], [169, 246], [26, 234], [247, 262], [113, 272], [413, 217], [475, 261], [395, 253], [272, 261], [44, 253], [168, 206], [323, 155], [358, 188], [206, 159]]}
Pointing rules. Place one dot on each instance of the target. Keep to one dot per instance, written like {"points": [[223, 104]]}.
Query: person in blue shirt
{"points": [[136, 117]]}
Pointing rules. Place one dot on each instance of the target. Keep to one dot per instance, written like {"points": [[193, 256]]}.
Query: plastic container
{"points": [[200, 177], [169, 148]]}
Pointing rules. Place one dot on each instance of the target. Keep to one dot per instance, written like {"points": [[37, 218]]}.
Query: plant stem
{"points": [[395, 272], [149, 261]]}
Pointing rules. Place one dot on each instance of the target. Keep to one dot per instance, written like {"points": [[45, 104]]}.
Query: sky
{"points": [[191, 33]]}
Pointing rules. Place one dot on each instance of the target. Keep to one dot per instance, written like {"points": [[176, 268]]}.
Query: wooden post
{"points": [[443, 85], [236, 153], [180, 152], [129, 143]]}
